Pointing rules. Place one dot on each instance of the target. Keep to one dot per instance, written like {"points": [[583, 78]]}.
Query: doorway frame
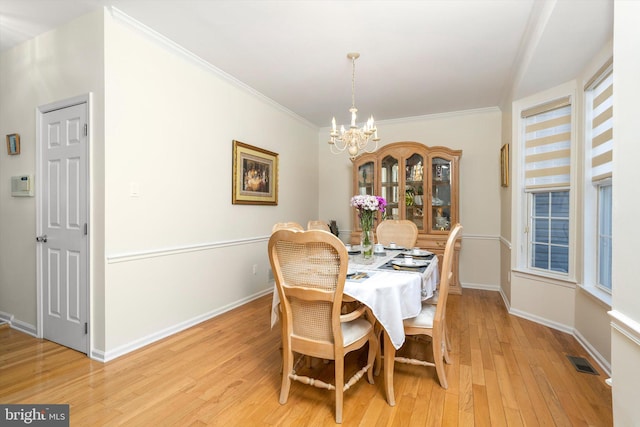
{"points": [[41, 110]]}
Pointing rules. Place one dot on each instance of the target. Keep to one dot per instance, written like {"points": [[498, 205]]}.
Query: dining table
{"points": [[392, 289]]}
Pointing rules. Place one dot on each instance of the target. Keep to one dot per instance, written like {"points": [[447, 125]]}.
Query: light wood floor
{"points": [[226, 372]]}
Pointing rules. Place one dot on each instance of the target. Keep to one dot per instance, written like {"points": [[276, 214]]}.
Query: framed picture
{"points": [[255, 175], [504, 165], [13, 144]]}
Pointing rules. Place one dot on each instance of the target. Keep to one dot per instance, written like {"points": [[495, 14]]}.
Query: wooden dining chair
{"points": [[400, 231], [310, 269], [431, 320], [316, 224], [286, 226]]}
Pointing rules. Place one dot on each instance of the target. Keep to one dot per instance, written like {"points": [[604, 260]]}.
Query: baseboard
{"points": [[6, 317], [604, 364], [505, 300], [18, 325], [480, 286], [541, 320], [107, 356]]}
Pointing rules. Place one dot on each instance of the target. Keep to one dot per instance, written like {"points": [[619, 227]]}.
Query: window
{"points": [[547, 163], [604, 236], [550, 231], [598, 177]]}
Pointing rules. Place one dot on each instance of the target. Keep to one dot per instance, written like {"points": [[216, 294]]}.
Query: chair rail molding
{"points": [[625, 325], [153, 253]]}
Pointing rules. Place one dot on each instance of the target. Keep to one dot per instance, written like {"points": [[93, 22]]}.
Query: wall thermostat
{"points": [[22, 186]]}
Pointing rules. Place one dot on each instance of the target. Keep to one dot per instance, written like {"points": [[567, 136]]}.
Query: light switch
{"points": [[134, 189]]}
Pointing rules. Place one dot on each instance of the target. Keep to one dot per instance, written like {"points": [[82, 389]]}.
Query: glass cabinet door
{"points": [[440, 194], [414, 190], [366, 173], [389, 186]]}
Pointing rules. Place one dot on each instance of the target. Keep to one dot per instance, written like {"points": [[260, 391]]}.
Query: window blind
{"points": [[548, 145], [602, 129]]}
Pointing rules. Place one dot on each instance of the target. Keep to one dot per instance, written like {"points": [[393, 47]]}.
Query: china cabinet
{"points": [[420, 183]]}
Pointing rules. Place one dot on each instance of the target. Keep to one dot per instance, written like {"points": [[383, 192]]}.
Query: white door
{"points": [[63, 229]]}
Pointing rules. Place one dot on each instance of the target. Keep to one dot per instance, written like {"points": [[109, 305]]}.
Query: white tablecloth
{"points": [[391, 295], [429, 277]]}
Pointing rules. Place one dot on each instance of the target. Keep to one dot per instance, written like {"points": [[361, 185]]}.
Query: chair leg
{"points": [[445, 351], [378, 365], [374, 354], [339, 364], [446, 344], [287, 367], [377, 331], [446, 335], [438, 346]]}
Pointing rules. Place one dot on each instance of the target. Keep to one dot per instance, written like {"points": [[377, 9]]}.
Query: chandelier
{"points": [[355, 140]]}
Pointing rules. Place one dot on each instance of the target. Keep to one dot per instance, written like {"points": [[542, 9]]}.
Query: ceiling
{"points": [[417, 57]]}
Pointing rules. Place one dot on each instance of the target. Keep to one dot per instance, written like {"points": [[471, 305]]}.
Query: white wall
{"points": [[625, 345], [505, 208], [477, 134], [180, 251], [57, 65]]}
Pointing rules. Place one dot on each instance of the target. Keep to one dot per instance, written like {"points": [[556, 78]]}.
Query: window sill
{"points": [[599, 295]]}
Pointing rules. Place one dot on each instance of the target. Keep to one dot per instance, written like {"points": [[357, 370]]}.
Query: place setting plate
{"points": [[395, 248], [417, 263], [421, 252], [353, 250]]}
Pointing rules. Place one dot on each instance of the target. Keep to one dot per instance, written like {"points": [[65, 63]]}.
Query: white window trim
{"points": [[590, 200], [519, 260]]}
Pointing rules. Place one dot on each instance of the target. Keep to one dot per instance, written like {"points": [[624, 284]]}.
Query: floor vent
{"points": [[582, 365]]}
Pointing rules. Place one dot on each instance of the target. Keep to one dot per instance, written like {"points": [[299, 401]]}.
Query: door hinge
{"points": [[86, 130], [86, 328], [86, 229]]}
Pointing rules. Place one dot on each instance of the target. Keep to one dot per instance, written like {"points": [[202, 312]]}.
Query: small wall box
{"points": [[22, 186]]}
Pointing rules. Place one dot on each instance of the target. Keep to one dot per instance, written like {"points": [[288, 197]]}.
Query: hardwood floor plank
{"points": [[534, 392], [465, 397], [451, 410], [504, 383], [226, 371], [496, 406], [481, 415], [523, 403]]}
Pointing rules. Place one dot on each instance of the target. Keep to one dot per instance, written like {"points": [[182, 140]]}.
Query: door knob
{"points": [[42, 239]]}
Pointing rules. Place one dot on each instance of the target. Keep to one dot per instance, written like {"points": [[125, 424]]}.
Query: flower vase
{"points": [[366, 244]]}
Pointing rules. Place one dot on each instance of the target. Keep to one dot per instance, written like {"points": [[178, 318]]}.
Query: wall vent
{"points": [[582, 365]]}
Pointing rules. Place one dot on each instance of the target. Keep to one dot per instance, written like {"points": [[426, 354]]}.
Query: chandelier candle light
{"points": [[355, 140]]}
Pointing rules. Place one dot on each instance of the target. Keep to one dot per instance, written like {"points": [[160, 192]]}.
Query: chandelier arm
{"points": [[336, 145], [335, 151], [375, 147]]}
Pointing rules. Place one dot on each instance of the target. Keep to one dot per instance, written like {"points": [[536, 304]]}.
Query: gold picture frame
{"points": [[504, 165], [255, 175], [13, 144]]}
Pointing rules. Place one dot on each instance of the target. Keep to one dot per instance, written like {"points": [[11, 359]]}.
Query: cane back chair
{"points": [[310, 269]]}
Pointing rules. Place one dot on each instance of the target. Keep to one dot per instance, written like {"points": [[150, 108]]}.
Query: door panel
{"points": [[64, 264]]}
